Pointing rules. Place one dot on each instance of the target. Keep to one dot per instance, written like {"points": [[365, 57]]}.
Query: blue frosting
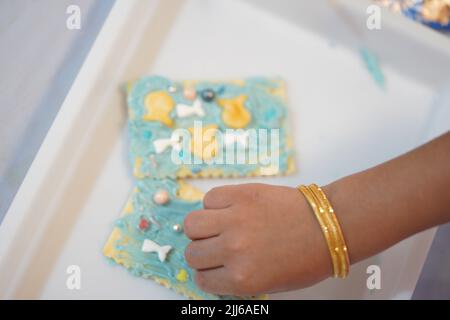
{"points": [[162, 218], [267, 112]]}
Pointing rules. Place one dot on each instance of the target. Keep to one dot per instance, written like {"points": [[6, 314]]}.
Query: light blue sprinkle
{"points": [[119, 224], [196, 170], [147, 134], [221, 90], [373, 66], [270, 114]]}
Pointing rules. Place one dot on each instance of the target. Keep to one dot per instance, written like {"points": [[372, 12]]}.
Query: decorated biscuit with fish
{"points": [[243, 124], [148, 238]]}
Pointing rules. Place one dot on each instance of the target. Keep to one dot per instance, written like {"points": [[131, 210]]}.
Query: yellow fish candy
{"points": [[203, 143], [158, 105], [234, 114]]}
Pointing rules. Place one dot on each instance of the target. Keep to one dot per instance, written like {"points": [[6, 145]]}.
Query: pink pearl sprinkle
{"points": [[161, 197], [189, 93]]}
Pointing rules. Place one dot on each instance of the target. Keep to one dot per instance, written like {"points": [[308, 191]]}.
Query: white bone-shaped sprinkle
{"points": [[184, 110], [162, 144], [150, 246]]}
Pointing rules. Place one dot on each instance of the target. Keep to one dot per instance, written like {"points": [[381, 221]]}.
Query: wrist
{"points": [[367, 229]]}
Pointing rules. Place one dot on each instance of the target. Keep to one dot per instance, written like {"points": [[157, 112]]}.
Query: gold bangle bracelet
{"points": [[341, 247], [334, 243], [323, 226], [330, 226]]}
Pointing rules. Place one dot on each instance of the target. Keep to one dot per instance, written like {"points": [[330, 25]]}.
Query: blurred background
{"points": [[39, 61]]}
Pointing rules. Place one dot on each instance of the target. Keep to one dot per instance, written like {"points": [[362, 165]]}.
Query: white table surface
{"points": [[39, 59]]}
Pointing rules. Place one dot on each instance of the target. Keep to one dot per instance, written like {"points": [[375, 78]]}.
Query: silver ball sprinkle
{"points": [[172, 89], [177, 228]]}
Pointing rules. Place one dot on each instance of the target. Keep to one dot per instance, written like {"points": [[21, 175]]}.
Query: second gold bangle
{"points": [[330, 228]]}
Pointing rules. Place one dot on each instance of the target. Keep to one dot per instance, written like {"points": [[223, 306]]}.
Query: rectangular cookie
{"points": [[208, 128], [148, 238]]}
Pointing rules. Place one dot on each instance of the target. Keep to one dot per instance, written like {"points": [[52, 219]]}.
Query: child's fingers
{"points": [[203, 224], [205, 254], [214, 281], [220, 197]]}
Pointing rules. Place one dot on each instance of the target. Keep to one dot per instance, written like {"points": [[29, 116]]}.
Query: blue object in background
{"points": [[414, 12]]}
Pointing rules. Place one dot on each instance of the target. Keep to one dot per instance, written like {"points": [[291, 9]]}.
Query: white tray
{"points": [[80, 178]]}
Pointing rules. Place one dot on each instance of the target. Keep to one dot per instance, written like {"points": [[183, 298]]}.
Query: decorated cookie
{"points": [[149, 241], [247, 119]]}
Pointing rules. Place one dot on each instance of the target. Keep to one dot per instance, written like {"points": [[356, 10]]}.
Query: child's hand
{"points": [[255, 238]]}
